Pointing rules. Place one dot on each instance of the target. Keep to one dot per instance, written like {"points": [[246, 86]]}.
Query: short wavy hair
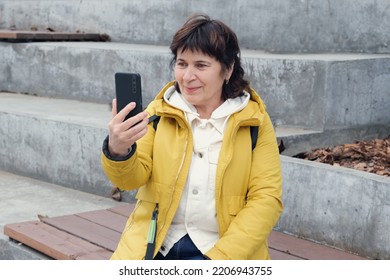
{"points": [[216, 39]]}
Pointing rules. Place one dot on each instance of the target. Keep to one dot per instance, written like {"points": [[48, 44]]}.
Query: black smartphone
{"points": [[128, 89]]}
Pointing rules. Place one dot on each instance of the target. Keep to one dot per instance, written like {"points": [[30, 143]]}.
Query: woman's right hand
{"points": [[123, 134]]}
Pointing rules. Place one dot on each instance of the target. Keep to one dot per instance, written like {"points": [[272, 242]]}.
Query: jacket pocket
{"points": [[147, 197], [148, 193]]}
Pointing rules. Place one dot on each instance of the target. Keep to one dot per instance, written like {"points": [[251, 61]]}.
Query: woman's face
{"points": [[200, 79]]}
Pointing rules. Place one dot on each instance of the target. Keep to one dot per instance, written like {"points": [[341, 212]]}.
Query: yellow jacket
{"points": [[248, 183]]}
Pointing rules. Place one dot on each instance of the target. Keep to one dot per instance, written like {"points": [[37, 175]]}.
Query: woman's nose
{"points": [[189, 74]]}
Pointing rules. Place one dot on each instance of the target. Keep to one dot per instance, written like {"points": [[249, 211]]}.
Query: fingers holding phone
{"points": [[128, 123], [124, 133], [123, 114]]}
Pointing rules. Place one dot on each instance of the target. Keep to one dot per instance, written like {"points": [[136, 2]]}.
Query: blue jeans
{"points": [[184, 249]]}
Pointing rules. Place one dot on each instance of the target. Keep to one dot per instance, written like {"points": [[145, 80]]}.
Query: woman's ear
{"points": [[229, 72]]}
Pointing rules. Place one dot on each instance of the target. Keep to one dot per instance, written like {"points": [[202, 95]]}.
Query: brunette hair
{"points": [[216, 39]]}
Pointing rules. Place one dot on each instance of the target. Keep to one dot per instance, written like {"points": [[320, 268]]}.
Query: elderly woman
{"points": [[204, 193]]}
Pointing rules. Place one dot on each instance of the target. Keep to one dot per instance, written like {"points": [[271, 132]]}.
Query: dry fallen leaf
{"points": [[371, 156]]}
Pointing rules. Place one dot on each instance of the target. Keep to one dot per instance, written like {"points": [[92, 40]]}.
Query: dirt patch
{"points": [[371, 156]]}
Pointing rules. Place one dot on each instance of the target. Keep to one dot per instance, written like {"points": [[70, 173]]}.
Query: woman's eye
{"points": [[200, 65], [180, 64]]}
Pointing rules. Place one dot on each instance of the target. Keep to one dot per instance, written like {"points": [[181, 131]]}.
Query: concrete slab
{"points": [[54, 140], [57, 141], [57, 110], [275, 26], [23, 199], [341, 207], [333, 90]]}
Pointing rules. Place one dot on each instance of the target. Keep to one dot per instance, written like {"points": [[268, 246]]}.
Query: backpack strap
{"points": [[254, 134], [155, 119]]}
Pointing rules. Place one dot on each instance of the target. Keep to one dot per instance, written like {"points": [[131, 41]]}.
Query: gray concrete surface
{"points": [[54, 140], [314, 100], [23, 199], [337, 206], [59, 140], [333, 90], [274, 26]]}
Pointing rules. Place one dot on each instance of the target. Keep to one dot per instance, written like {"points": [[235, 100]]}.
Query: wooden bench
{"points": [[94, 235], [26, 35]]}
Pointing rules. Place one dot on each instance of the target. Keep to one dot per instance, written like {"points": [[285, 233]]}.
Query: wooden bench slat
{"points": [[124, 210], [95, 235], [87, 230], [53, 242], [27, 35], [306, 249], [277, 255], [8, 34], [105, 218]]}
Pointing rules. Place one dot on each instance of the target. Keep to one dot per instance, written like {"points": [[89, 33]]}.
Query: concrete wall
{"points": [[333, 94], [287, 26], [355, 96], [53, 155], [56, 141], [316, 92], [341, 207], [81, 71]]}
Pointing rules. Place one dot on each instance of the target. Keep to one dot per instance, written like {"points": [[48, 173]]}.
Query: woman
{"points": [[216, 198]]}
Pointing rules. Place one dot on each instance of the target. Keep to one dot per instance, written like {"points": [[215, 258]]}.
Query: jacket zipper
{"points": [[178, 119]]}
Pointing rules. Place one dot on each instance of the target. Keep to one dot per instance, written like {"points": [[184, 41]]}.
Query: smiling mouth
{"points": [[191, 89]]}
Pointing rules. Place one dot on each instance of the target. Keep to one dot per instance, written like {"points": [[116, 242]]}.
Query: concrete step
{"points": [[334, 91], [23, 199], [54, 140], [342, 207], [274, 26], [59, 141]]}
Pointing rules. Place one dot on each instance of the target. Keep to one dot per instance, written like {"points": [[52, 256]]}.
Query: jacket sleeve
{"points": [[247, 233], [132, 171]]}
